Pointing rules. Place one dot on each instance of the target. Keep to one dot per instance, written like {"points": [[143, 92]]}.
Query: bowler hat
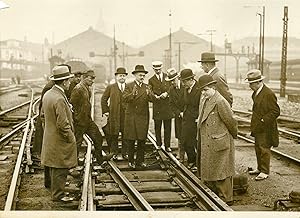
{"points": [[205, 80], [139, 69], [61, 72], [157, 65], [121, 70], [254, 75], [172, 74], [186, 74], [208, 57]]}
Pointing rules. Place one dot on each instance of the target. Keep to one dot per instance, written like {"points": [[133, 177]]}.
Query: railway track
{"points": [[288, 148]]}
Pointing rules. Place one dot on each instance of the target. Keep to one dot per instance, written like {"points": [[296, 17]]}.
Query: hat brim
{"points": [[256, 80], [170, 79], [208, 61], [140, 71], [121, 73], [212, 82], [61, 78], [189, 77]]}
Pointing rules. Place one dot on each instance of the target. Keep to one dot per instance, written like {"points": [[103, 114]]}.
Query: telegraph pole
{"points": [[263, 42], [170, 41], [284, 53], [115, 50]]}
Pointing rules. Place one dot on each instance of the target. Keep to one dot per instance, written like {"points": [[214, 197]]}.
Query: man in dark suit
{"points": [[113, 109], [263, 122], [73, 82], [83, 122], [189, 115], [161, 106], [59, 146], [136, 96], [176, 103], [208, 62]]}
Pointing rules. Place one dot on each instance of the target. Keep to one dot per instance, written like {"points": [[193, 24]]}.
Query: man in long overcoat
{"points": [[216, 130], [208, 62], [190, 113], [162, 113], [176, 92], [59, 146], [113, 108], [137, 96], [263, 122]]}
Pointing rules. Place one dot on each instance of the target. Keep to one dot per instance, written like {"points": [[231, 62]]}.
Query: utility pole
{"points": [[179, 50], [170, 41], [284, 53], [115, 50], [210, 33]]}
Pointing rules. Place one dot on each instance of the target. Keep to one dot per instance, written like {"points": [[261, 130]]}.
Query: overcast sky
{"points": [[141, 21]]}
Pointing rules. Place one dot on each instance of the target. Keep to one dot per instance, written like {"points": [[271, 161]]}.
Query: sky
{"points": [[138, 22]]}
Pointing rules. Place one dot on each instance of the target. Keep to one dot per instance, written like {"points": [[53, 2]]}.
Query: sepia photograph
{"points": [[171, 108]]}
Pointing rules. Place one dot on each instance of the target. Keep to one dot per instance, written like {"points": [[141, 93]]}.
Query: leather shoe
{"points": [[168, 149], [74, 173], [253, 172], [261, 176], [107, 157], [125, 156], [115, 157], [143, 165], [191, 165], [131, 165], [67, 199]]}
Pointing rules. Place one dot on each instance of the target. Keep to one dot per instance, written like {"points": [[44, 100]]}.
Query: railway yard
{"points": [[164, 185]]}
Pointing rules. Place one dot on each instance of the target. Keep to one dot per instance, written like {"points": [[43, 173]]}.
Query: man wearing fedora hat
{"points": [[176, 103], [136, 96], [73, 82], [161, 106], [208, 62], [189, 115], [216, 130], [265, 111], [83, 122], [59, 146], [113, 108]]}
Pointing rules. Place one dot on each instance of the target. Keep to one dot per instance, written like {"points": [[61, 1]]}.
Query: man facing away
{"points": [[208, 62], [162, 113], [80, 99], [113, 108], [265, 111], [59, 146]]}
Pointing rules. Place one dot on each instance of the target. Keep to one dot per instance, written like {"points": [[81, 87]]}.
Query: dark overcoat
{"points": [[112, 102], [222, 86], [190, 112], [265, 107], [80, 99], [136, 122], [161, 107], [59, 147], [216, 129]]}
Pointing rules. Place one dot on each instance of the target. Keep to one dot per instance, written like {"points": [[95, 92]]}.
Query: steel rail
{"points": [[13, 186], [205, 196], [14, 108], [297, 161], [135, 198]]}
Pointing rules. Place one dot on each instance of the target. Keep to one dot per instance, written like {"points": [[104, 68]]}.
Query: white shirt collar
{"points": [[211, 70], [159, 76], [120, 85]]}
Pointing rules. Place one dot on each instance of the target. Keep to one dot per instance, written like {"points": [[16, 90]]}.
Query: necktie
{"points": [[122, 88]]}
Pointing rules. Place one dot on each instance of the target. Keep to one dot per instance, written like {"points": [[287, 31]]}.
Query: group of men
{"points": [[65, 114]]}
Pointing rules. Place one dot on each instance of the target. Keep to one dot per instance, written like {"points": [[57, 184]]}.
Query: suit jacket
{"points": [[191, 104], [265, 107], [80, 99], [161, 107], [73, 83], [216, 129], [112, 102], [222, 86], [136, 122], [59, 147], [176, 100]]}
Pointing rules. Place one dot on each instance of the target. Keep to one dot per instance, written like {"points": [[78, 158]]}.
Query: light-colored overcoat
{"points": [[59, 147], [216, 129]]}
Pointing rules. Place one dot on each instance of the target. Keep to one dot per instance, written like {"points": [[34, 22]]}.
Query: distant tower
{"points": [[100, 25]]}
